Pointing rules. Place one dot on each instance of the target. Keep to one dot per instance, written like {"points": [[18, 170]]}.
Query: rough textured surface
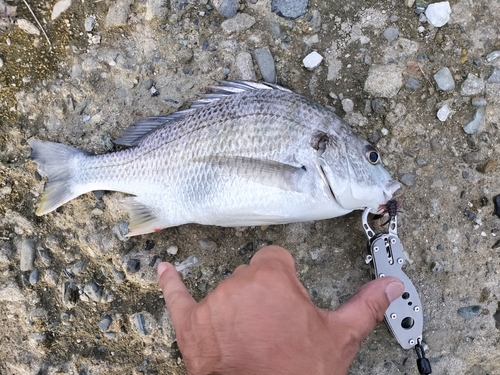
{"points": [[91, 85]]}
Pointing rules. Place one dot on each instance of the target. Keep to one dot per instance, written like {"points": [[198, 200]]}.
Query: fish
{"points": [[244, 154]]}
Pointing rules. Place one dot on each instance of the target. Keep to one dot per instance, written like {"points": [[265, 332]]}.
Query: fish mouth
{"points": [[390, 188]]}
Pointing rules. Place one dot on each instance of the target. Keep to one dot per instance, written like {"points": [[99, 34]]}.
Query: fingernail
{"points": [[162, 268], [394, 290]]}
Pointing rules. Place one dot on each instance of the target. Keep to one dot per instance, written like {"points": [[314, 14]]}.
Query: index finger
{"points": [[177, 298]]}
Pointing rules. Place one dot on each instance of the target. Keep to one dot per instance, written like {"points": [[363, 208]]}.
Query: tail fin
{"points": [[55, 161]]}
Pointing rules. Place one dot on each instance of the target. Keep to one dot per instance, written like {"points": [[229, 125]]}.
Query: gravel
{"points": [[238, 23], [470, 312], [473, 85], [494, 75], [89, 24], [289, 8], [443, 113], [312, 60], [94, 82], [265, 62], [444, 80], [473, 126], [244, 67], [438, 14], [391, 34], [26, 249]]}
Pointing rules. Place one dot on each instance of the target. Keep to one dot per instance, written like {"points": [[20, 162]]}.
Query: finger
{"points": [[366, 308], [274, 253], [175, 293]]}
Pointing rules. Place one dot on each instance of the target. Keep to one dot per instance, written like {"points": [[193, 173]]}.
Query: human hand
{"points": [[261, 320]]}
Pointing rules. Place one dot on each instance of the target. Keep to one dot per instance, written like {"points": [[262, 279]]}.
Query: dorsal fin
{"points": [[137, 131]]}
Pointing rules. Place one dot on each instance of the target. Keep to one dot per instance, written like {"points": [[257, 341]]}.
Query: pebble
{"points": [[172, 250], [377, 104], [105, 323], [347, 105], [496, 203], [11, 293], [227, 8], [60, 7], [444, 80], [51, 277], [134, 265], [120, 229], [140, 324], [238, 23], [471, 215], [312, 60], [118, 276], [289, 8], [383, 81], [89, 24], [93, 291], [489, 166], [473, 126], [413, 84], [391, 34], [493, 56], [443, 113], [473, 85], [77, 268], [478, 102], [420, 162], [5, 254], [470, 312], [244, 67], [27, 253], [207, 245], [118, 12], [438, 14], [408, 179], [185, 266], [27, 26], [494, 75], [34, 276], [265, 62]]}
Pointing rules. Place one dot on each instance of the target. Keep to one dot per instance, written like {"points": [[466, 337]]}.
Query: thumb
{"points": [[175, 293], [366, 308]]}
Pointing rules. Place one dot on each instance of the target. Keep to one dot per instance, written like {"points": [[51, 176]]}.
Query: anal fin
{"points": [[142, 218]]}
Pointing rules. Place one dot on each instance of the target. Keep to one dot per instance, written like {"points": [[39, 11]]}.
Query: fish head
{"points": [[356, 175]]}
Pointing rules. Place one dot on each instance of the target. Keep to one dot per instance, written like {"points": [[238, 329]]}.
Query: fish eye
{"points": [[372, 154]]}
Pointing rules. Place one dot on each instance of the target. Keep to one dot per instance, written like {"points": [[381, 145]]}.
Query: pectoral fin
{"points": [[266, 172]]}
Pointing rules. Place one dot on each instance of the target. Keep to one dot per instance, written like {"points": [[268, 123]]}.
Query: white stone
{"points": [[312, 60], [172, 250], [438, 14], [60, 7], [347, 105], [27, 26], [443, 113]]}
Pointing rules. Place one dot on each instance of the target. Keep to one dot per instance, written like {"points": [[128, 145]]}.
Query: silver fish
{"points": [[244, 154]]}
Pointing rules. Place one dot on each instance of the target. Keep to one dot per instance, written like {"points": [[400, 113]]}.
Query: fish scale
{"points": [[244, 154]]}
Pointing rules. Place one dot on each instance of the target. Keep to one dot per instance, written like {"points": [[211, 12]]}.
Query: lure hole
{"points": [[407, 322], [406, 295]]}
